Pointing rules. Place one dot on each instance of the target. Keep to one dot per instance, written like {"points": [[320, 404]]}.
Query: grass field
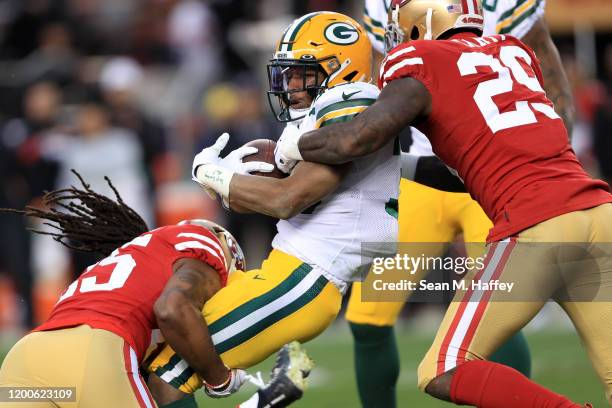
{"points": [[559, 362]]}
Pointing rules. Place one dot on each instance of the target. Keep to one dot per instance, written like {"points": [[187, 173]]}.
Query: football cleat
{"points": [[288, 378]]}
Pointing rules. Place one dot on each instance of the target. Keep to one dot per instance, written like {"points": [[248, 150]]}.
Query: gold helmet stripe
{"points": [[289, 37]]}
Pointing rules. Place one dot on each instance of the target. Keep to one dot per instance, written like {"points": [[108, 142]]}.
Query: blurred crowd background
{"points": [[132, 89]]}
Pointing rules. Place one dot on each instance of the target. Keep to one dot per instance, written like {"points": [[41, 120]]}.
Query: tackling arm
{"points": [[287, 197], [556, 84], [426, 170], [179, 317], [402, 102]]}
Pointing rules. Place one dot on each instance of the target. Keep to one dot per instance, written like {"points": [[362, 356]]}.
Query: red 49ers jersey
{"points": [[492, 123], [118, 293]]}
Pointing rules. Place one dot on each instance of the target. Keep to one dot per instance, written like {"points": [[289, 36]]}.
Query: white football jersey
{"points": [[329, 234], [513, 17]]}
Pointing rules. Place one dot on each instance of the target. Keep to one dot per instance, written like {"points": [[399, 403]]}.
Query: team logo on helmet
{"points": [[341, 33]]}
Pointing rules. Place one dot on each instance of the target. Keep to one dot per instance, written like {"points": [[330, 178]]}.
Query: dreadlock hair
{"points": [[92, 223]]}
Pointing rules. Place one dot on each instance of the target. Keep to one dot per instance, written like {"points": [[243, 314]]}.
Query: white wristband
{"points": [[293, 151], [409, 165], [289, 142], [215, 177]]}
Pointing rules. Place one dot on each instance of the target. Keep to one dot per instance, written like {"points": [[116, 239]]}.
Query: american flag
{"points": [[454, 8]]}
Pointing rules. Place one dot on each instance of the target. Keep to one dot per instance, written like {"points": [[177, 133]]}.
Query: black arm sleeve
{"points": [[431, 172]]}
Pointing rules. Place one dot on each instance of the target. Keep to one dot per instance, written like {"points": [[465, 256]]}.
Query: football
{"points": [[265, 153]]}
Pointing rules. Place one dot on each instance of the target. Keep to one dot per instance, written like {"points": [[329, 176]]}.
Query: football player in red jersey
{"points": [[480, 102], [100, 329]]}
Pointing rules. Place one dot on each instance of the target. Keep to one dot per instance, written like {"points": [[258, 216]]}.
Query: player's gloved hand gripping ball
{"points": [[234, 161], [215, 174], [209, 155]]}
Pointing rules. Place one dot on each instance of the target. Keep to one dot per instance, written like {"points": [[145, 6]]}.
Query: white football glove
{"points": [[233, 161], [207, 172], [209, 155], [287, 153], [236, 378]]}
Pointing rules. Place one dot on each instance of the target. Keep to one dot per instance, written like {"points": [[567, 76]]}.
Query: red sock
{"points": [[485, 384]]}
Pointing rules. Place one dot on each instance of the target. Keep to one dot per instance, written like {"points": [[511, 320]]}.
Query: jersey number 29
{"points": [[486, 90]]}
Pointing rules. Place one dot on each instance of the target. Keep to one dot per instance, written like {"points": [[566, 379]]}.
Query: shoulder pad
{"points": [[345, 92], [343, 102]]}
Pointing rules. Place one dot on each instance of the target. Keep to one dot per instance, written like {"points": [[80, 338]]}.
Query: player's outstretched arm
{"points": [[179, 317], [402, 102], [556, 84], [284, 198]]}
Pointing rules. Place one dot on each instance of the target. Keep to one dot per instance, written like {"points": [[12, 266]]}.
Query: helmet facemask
{"points": [[238, 262], [280, 75], [394, 35]]}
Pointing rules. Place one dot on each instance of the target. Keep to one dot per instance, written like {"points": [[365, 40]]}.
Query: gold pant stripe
{"points": [[256, 314], [177, 378], [176, 372], [245, 328], [261, 325], [219, 328]]}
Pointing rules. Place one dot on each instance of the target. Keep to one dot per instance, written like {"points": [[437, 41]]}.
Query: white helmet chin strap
{"points": [[395, 15], [337, 72], [298, 114], [428, 34]]}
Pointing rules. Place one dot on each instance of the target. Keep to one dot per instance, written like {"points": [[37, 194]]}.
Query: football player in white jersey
{"points": [[319, 74], [430, 215]]}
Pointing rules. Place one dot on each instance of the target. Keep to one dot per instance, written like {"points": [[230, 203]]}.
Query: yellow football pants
{"points": [[99, 364], [256, 314], [567, 258], [426, 215]]}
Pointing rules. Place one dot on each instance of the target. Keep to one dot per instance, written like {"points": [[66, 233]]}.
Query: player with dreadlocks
{"points": [[95, 223], [99, 331], [104, 324]]}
